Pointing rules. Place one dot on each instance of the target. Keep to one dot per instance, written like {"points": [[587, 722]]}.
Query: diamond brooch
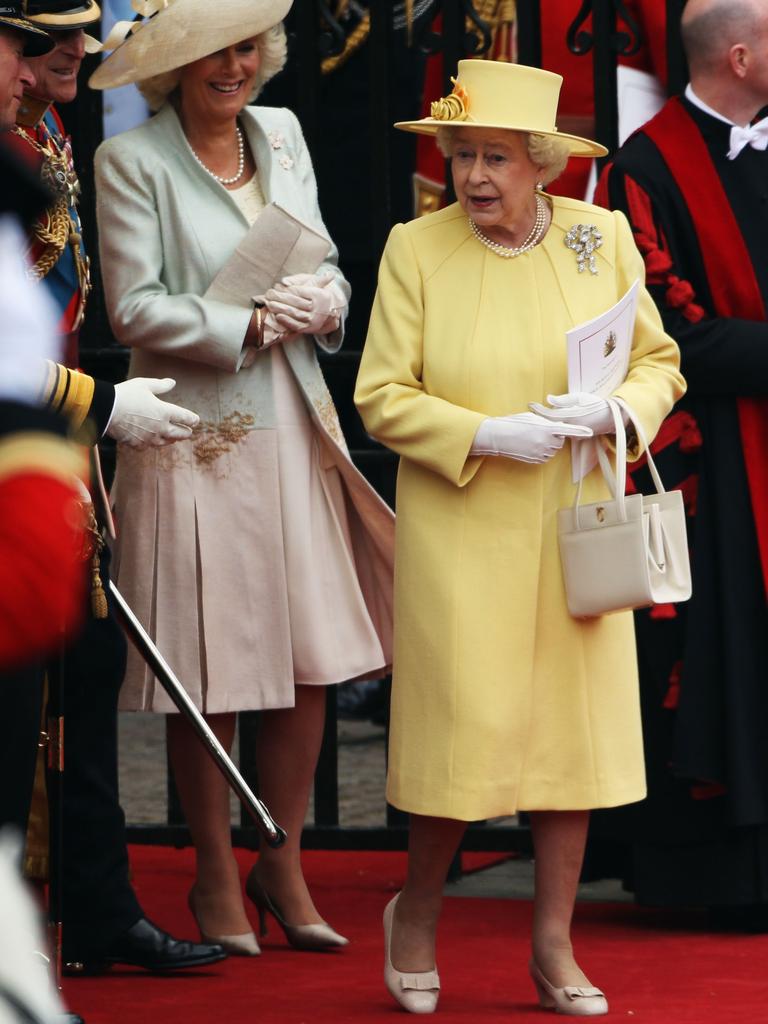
{"points": [[584, 239]]}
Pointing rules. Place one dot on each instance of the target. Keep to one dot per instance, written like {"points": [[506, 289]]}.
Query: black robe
{"points": [[701, 836]]}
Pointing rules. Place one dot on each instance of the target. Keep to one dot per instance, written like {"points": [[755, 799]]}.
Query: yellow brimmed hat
{"points": [[65, 16], [171, 33], [36, 41], [496, 94]]}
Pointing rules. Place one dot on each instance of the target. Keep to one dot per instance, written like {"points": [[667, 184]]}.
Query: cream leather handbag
{"points": [[628, 552]]}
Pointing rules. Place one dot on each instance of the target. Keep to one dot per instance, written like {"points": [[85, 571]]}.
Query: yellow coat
{"points": [[501, 701]]}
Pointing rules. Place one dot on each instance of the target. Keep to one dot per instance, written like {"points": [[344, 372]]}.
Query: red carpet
{"points": [[656, 968]]}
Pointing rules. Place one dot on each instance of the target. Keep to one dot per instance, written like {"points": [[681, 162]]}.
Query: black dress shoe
{"points": [[145, 945]]}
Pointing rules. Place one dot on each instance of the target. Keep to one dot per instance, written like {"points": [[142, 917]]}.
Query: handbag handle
{"points": [[617, 481], [660, 489]]}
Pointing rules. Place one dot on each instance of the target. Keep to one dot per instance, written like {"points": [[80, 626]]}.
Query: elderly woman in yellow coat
{"points": [[502, 701]]}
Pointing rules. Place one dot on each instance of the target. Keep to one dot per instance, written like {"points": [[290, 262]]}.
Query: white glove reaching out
{"points": [[306, 303], [578, 407], [525, 436], [141, 420]]}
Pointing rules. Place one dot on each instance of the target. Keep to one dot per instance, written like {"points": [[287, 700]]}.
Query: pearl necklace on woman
{"points": [[534, 236], [240, 161]]}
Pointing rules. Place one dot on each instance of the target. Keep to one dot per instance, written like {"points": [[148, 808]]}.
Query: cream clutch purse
{"points": [[627, 552], [276, 245]]}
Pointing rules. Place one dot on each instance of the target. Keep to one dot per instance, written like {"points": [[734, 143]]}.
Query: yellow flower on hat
{"points": [[451, 108]]}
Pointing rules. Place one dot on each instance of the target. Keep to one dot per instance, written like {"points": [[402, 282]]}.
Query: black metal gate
{"points": [[355, 68]]}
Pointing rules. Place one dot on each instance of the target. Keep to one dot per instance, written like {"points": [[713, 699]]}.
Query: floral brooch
{"points": [[276, 141], [584, 239]]}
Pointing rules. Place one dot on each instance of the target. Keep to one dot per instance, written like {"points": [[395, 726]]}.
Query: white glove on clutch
{"points": [[140, 420], [306, 303], [525, 436], [579, 407]]}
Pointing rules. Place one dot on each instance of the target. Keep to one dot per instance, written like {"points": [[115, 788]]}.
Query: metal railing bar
{"points": [[501, 839]]}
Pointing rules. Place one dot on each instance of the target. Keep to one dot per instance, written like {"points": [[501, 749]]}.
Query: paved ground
{"points": [[513, 879], [143, 771], [361, 799]]}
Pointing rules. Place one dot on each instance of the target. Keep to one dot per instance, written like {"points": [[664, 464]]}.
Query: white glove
{"points": [[524, 436], [579, 407], [139, 419], [306, 303]]}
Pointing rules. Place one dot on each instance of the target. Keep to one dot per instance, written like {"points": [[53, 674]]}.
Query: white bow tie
{"points": [[755, 135]]}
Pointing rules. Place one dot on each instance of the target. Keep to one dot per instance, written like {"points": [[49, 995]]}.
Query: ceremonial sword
{"points": [[272, 832]]}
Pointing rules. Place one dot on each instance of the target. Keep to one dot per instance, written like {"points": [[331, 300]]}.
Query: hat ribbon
{"points": [[145, 9]]}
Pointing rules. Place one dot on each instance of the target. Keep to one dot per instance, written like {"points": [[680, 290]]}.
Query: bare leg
{"points": [[559, 838], [286, 757], [432, 842], [204, 795]]}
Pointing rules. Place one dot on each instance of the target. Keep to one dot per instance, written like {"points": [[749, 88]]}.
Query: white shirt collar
{"points": [[691, 96]]}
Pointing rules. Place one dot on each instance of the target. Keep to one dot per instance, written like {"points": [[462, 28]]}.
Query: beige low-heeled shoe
{"points": [[313, 938], [574, 1000], [416, 992], [244, 944]]}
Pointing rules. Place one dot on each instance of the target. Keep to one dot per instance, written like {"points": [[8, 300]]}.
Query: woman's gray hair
{"points": [[272, 50], [546, 151]]}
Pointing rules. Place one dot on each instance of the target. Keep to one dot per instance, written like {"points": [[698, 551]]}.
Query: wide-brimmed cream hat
{"points": [[496, 94], [171, 33], [65, 16]]}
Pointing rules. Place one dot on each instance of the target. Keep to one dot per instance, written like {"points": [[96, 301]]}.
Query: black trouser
{"points": [[97, 897], [21, 705]]}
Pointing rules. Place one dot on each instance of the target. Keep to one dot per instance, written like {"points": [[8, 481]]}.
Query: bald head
{"points": [[711, 28]]}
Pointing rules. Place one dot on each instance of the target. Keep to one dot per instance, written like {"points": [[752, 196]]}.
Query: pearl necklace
{"points": [[240, 161], [534, 236]]}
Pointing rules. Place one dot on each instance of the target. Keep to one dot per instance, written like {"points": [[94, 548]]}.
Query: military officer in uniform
{"points": [[40, 575], [103, 921]]}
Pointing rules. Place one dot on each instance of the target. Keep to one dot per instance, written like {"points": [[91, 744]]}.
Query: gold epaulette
{"points": [[67, 392], [39, 452]]}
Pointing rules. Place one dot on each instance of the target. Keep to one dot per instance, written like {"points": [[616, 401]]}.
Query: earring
{"points": [[539, 186]]}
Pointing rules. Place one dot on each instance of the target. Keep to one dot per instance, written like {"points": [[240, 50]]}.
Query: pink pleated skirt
{"points": [[239, 563]]}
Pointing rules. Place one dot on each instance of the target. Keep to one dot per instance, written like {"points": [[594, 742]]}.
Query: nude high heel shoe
{"points": [[244, 944], [572, 999], [417, 992], [309, 937]]}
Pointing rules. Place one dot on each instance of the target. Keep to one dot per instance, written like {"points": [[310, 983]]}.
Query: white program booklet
{"points": [[598, 360]]}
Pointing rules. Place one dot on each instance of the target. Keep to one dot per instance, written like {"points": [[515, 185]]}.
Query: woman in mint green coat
{"points": [[256, 555]]}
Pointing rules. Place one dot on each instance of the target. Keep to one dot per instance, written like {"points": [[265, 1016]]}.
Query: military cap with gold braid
{"points": [[36, 41], [65, 16]]}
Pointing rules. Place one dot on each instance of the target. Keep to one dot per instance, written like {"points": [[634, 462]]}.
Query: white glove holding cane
{"points": [[142, 420], [578, 407], [524, 436]]}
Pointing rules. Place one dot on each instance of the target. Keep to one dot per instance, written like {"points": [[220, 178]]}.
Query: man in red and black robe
{"points": [[694, 185]]}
